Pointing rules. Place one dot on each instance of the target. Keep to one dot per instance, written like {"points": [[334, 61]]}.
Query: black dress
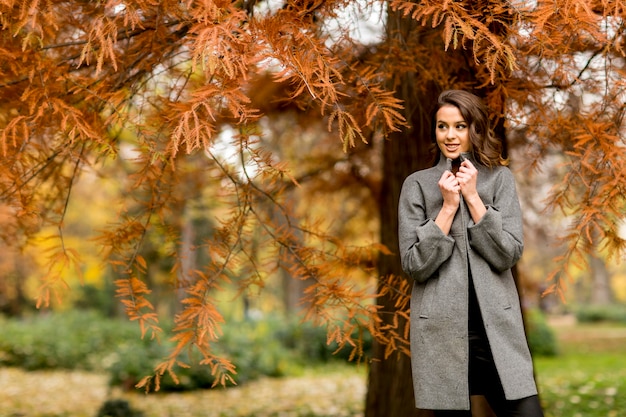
{"points": [[482, 370]]}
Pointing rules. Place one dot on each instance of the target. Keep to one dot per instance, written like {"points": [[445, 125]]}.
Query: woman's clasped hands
{"points": [[452, 186]]}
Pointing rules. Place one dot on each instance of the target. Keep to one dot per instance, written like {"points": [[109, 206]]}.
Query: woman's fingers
{"points": [[450, 188], [467, 177]]}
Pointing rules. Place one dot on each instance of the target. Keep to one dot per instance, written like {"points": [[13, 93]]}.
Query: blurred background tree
{"points": [[206, 159]]}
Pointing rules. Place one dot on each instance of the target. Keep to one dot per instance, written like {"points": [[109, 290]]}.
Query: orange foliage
{"points": [[76, 75]]}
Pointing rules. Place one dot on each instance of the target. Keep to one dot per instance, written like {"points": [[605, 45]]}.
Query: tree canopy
{"points": [[152, 93]]}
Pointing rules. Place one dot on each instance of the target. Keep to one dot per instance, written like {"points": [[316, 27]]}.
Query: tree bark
{"points": [[390, 390], [601, 292]]}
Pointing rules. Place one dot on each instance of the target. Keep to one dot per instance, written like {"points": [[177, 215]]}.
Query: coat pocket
{"points": [[428, 297], [510, 297]]}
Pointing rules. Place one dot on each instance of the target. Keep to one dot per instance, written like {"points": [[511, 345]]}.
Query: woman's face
{"points": [[452, 132]]}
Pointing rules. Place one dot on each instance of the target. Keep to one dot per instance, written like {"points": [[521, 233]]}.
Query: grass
{"points": [[588, 379]]}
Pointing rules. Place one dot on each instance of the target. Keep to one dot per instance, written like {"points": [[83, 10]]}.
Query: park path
{"points": [[337, 392]]}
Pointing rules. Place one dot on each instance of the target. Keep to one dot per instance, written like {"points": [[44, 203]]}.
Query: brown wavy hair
{"points": [[486, 147]]}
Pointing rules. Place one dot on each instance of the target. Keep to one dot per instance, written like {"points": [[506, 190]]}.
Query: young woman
{"points": [[460, 228]]}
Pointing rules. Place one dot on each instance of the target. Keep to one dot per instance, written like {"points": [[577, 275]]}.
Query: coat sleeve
{"points": [[498, 236], [423, 245]]}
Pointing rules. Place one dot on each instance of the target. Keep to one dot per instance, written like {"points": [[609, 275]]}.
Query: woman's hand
{"points": [[450, 189], [467, 177], [451, 192]]}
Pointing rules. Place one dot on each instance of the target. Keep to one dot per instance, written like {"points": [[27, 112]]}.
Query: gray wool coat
{"points": [[440, 265]]}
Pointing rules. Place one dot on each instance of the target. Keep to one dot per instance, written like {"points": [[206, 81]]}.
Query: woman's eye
{"points": [[441, 126], [461, 126]]}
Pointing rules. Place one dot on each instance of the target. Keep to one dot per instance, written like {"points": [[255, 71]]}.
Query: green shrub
{"points": [[541, 338], [132, 360], [86, 340], [254, 347], [118, 408], [68, 340], [615, 313], [272, 347]]}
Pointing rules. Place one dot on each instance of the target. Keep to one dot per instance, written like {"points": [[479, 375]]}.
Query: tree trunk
{"points": [[601, 293], [293, 292], [390, 390]]}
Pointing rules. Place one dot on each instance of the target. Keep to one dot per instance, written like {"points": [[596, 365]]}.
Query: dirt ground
{"points": [[78, 394]]}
